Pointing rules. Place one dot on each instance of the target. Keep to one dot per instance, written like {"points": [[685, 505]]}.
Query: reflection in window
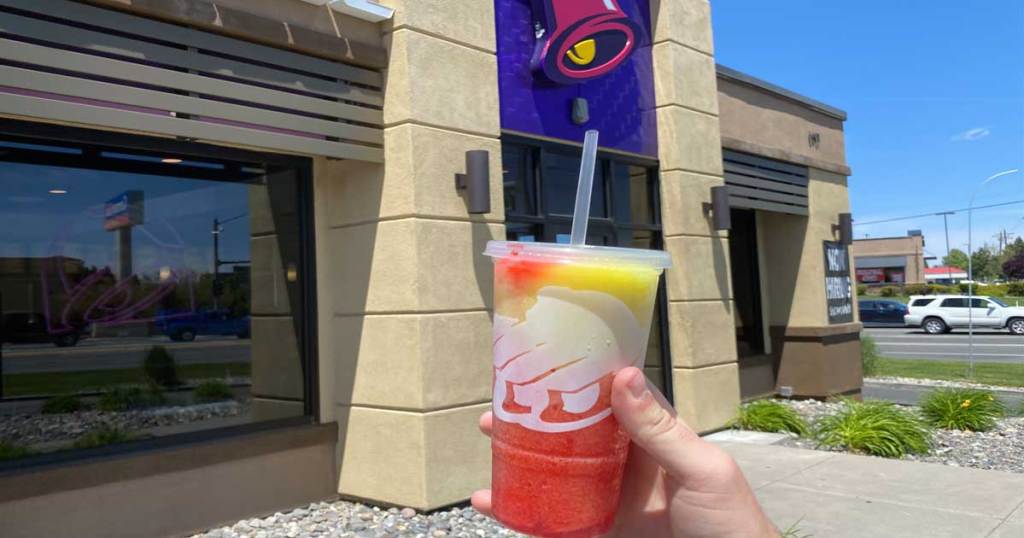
{"points": [[140, 304]]}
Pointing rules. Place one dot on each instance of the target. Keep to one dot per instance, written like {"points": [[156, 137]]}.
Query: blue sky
{"points": [[934, 93]]}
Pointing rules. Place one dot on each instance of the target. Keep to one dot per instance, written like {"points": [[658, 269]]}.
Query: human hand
{"points": [[675, 483]]}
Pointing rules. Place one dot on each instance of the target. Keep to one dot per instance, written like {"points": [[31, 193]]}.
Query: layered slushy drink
{"points": [[566, 319]]}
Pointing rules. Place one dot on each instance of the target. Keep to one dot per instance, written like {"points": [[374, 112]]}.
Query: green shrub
{"points": [[965, 287], [874, 427], [919, 289], [132, 397], [769, 416], [102, 436], [1015, 289], [62, 403], [10, 451], [889, 291], [962, 409], [869, 356], [213, 390], [160, 368], [994, 290], [862, 290], [945, 290]]}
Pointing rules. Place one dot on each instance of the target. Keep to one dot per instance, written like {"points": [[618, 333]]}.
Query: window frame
{"points": [[543, 220], [40, 133]]}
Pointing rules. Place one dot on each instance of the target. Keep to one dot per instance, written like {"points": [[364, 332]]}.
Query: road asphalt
{"points": [[118, 353], [989, 346]]}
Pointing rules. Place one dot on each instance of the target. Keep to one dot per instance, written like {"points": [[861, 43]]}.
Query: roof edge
{"points": [[743, 78]]}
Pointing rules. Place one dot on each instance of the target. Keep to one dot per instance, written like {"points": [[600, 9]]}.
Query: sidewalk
{"points": [[836, 495]]}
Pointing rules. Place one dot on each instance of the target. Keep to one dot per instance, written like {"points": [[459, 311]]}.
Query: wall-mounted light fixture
{"points": [[476, 181], [718, 208], [367, 10], [844, 229]]}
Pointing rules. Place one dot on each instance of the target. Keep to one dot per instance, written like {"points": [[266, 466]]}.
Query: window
{"points": [[540, 194], [146, 294], [980, 303], [954, 303], [921, 302], [866, 305]]}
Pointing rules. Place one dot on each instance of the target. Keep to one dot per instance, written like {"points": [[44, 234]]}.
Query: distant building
{"points": [[890, 260], [944, 275]]}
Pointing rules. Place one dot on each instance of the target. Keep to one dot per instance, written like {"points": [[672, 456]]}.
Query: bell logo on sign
{"points": [[579, 40]]}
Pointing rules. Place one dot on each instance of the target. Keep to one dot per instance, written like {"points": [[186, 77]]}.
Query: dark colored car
{"points": [[882, 312], [31, 327], [185, 327]]}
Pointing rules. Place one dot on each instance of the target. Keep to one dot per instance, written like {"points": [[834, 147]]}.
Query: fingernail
{"points": [[637, 385]]}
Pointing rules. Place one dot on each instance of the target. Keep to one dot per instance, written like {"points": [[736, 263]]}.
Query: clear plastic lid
{"points": [[557, 252]]}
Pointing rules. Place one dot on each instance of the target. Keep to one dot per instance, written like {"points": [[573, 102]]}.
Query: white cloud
{"points": [[972, 135]]}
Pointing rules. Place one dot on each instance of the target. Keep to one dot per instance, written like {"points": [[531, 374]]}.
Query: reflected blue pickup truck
{"points": [[184, 327]]}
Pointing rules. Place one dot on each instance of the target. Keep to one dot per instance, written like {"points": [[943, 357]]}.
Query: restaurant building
{"points": [[890, 260], [291, 198]]}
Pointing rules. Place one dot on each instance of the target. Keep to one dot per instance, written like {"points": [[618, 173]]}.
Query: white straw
{"points": [[581, 215]]}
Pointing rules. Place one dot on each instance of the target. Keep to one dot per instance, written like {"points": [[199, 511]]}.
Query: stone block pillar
{"points": [[405, 291], [701, 326]]}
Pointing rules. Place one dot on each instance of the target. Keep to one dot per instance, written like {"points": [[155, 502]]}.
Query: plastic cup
{"points": [[566, 318]]}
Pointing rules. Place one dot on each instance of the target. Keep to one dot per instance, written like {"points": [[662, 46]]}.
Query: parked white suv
{"points": [[938, 314]]}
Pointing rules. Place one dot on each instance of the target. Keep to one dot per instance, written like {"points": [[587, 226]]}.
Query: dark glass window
{"points": [[560, 174], [623, 206], [921, 302], [867, 305], [517, 164], [954, 303], [980, 303], [145, 295]]}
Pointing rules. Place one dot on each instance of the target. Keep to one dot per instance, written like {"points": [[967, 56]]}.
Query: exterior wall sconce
{"points": [[718, 208], [844, 228], [476, 181], [367, 10]]}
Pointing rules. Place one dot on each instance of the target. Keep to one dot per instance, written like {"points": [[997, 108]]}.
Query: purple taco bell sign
{"points": [[552, 52]]}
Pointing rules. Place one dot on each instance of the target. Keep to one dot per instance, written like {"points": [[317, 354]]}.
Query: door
{"points": [[955, 311], [868, 311], [985, 313]]}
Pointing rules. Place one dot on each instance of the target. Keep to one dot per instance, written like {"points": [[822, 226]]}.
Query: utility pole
{"points": [[945, 222]]}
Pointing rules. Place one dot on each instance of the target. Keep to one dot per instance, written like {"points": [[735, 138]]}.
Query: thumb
{"points": [[652, 424]]}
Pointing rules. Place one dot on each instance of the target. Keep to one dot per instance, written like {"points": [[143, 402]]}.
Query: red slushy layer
{"points": [[558, 484]]}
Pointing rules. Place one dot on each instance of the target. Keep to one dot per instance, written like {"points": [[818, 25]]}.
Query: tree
{"points": [[956, 258], [1014, 267], [986, 265], [1011, 251]]}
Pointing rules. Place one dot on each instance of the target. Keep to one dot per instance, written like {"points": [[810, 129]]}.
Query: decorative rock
{"points": [[408, 513]]}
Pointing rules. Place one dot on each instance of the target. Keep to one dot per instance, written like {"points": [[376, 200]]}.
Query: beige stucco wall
{"points": [[755, 120], [405, 292], [794, 263], [701, 334]]}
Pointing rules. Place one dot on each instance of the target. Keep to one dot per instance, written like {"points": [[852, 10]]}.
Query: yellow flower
{"points": [[966, 404], [990, 398]]}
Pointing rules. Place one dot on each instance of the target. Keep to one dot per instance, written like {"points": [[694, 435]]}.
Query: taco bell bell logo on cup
{"points": [[567, 317]]}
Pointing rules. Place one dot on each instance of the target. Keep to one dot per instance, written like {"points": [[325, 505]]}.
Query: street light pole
{"points": [[970, 269]]}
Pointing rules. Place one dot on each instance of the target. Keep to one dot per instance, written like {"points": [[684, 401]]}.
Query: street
{"points": [[989, 345], [117, 353]]}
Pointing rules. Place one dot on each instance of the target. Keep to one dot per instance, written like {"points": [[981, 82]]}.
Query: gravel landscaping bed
{"points": [[940, 383], [1001, 449], [30, 429], [342, 519]]}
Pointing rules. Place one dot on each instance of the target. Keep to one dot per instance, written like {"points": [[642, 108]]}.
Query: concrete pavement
{"points": [[843, 496], [989, 345]]}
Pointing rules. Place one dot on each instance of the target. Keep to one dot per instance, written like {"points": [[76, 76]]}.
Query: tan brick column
{"points": [[701, 326], [405, 292]]}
